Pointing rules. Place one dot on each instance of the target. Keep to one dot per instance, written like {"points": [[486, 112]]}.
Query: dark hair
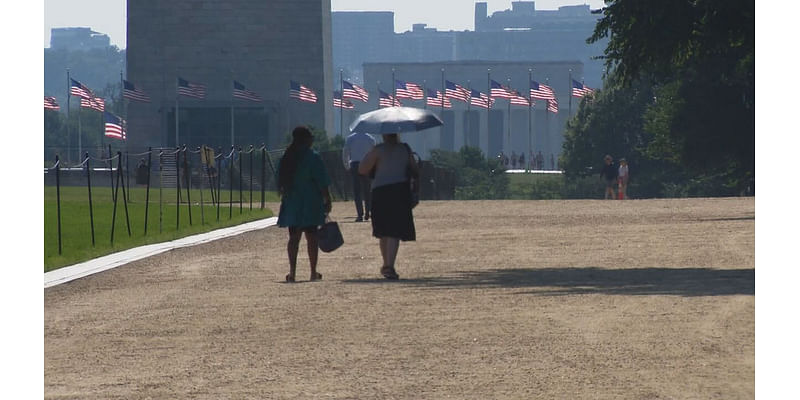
{"points": [[301, 140]]}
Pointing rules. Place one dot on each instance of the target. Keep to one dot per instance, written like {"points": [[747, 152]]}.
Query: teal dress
{"points": [[303, 205]]}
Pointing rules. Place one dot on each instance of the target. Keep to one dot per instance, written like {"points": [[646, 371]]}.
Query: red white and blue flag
{"points": [[114, 126], [96, 103], [387, 100], [341, 103], [50, 103], [240, 92], [541, 91], [500, 91], [580, 90], [129, 91], [481, 99], [301, 92], [519, 100], [191, 89], [353, 91], [552, 105], [78, 89], [456, 91], [408, 90], [435, 99]]}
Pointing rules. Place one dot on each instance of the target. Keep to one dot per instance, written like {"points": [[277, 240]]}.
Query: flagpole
{"points": [[488, 104], [508, 129], [177, 111], [69, 86], [570, 92], [341, 105], [233, 113], [124, 111], [530, 106], [469, 103], [441, 110], [80, 131]]}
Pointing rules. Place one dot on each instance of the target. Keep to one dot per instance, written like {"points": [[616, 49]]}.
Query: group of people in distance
{"points": [[383, 176], [613, 175]]}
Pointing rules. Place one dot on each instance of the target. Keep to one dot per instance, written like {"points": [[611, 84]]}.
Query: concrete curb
{"points": [[72, 272]]}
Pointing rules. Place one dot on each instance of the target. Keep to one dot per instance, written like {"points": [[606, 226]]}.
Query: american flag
{"points": [[240, 92], [519, 100], [500, 91], [114, 126], [456, 91], [78, 89], [541, 92], [96, 103], [301, 92], [580, 90], [50, 103], [435, 99], [408, 90], [341, 103], [191, 89], [131, 92], [353, 91], [387, 100], [552, 105], [481, 100]]}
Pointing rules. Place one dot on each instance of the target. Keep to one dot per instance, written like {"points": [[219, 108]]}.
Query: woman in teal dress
{"points": [[303, 186]]}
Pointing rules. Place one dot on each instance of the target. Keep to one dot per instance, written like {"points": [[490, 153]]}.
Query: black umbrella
{"points": [[395, 120]]}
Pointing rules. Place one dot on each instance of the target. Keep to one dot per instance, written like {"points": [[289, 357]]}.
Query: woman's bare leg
{"points": [[291, 249], [313, 252]]}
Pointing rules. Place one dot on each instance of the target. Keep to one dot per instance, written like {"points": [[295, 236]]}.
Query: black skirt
{"points": [[391, 212]]}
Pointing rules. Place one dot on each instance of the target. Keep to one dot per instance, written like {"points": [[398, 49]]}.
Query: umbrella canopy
{"points": [[395, 120]]}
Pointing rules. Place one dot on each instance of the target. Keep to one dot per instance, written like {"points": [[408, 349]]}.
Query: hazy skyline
{"points": [[108, 16]]}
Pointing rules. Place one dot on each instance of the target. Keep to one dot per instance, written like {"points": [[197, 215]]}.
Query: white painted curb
{"points": [[101, 264]]}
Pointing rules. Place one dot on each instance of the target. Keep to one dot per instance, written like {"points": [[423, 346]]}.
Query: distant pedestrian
{"points": [[356, 146], [552, 162], [513, 159], [539, 161], [622, 178], [305, 200], [609, 176], [392, 197], [522, 161]]}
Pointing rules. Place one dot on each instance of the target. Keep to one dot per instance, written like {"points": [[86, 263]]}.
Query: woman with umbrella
{"points": [[393, 167], [392, 220]]}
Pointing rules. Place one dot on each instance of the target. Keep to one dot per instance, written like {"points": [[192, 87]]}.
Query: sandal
{"points": [[389, 273], [316, 277], [289, 278]]}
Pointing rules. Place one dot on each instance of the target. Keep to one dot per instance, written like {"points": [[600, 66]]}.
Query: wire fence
{"points": [[246, 174]]}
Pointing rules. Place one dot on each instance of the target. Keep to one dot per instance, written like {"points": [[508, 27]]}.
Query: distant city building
{"points": [[77, 39], [263, 45]]}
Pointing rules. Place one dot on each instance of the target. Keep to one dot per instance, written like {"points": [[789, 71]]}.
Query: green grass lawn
{"points": [[535, 186], [76, 233]]}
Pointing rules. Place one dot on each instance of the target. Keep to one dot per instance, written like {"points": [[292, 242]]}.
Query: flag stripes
{"points": [[78, 89], [580, 90], [408, 90], [240, 92], [541, 91], [481, 100], [435, 99], [191, 89], [96, 103], [456, 91], [341, 103], [387, 100], [50, 103], [129, 91], [301, 92], [353, 91], [114, 126], [500, 91]]}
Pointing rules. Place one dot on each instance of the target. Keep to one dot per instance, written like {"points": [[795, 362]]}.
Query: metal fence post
{"points": [[240, 180], [124, 195], [178, 188], [147, 193], [263, 171], [188, 173], [230, 189], [251, 177], [202, 206], [89, 186], [58, 200]]}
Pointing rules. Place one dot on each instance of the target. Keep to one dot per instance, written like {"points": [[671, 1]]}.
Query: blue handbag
{"points": [[329, 236]]}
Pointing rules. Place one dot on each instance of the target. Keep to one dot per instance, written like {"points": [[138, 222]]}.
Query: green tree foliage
{"points": [[476, 176], [698, 56]]}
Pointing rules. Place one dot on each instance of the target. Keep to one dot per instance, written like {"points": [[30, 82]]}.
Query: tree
{"points": [[699, 55]]}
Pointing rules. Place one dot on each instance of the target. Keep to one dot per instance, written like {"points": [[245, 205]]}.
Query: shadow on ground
{"points": [[594, 280]]}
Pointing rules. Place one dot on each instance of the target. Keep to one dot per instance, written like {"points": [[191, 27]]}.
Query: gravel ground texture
{"points": [[639, 299]]}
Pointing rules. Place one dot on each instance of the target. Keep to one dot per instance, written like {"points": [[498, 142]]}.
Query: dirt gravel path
{"points": [[642, 299]]}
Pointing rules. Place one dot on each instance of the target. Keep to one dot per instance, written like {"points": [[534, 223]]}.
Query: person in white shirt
{"points": [[356, 146], [622, 178]]}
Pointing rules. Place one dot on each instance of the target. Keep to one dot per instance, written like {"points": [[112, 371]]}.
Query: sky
{"points": [[108, 16]]}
